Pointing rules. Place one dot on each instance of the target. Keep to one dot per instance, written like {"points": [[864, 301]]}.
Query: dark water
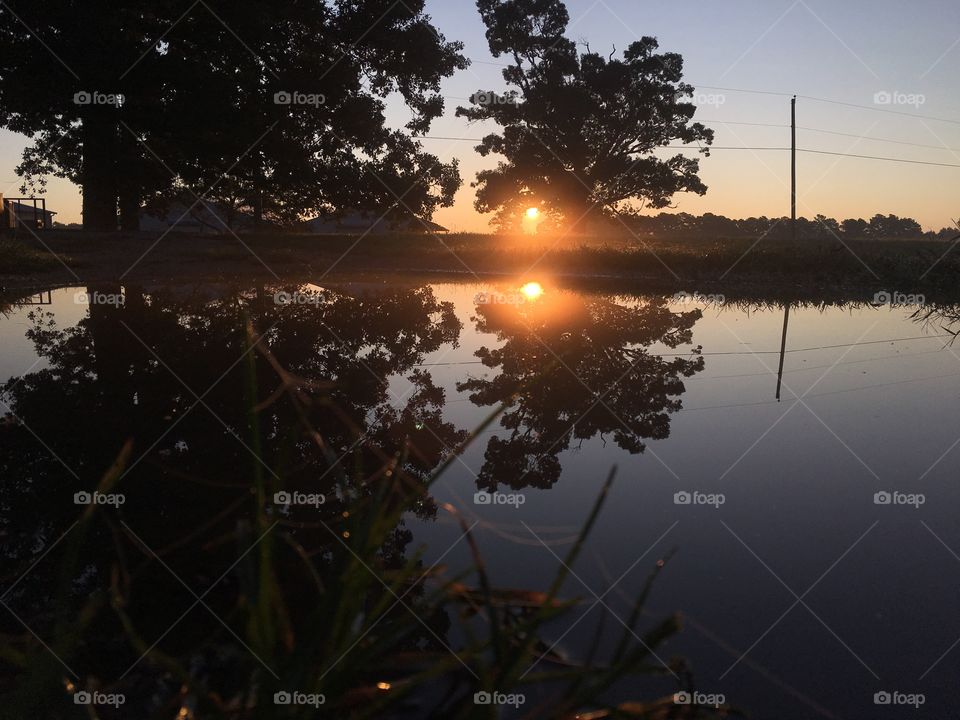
{"points": [[804, 594]]}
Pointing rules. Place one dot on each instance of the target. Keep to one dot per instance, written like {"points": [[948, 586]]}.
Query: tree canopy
{"points": [[280, 105], [579, 129]]}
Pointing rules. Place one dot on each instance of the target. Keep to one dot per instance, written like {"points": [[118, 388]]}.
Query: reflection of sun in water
{"points": [[533, 213], [532, 290]]}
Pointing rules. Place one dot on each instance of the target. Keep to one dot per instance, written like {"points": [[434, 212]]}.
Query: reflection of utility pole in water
{"points": [[793, 227], [783, 347]]}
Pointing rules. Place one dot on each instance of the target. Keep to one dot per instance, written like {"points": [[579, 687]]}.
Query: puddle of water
{"points": [[812, 540]]}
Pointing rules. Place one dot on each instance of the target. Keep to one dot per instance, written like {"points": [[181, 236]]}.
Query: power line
{"points": [[783, 127], [815, 152], [832, 102], [812, 98], [876, 139], [754, 149], [882, 110], [875, 157], [833, 132]]}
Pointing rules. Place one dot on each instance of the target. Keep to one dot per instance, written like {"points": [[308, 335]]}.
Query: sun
{"points": [[533, 213], [532, 290]]}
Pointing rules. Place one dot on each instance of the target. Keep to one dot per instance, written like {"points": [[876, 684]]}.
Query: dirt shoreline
{"points": [[735, 268]]}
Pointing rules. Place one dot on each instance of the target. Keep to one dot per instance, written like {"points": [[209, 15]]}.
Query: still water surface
{"points": [[803, 592]]}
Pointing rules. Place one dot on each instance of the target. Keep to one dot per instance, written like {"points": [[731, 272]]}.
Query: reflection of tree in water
{"points": [[578, 366], [190, 478]]}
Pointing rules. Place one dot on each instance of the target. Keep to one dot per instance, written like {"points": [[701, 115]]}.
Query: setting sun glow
{"points": [[532, 290], [533, 213]]}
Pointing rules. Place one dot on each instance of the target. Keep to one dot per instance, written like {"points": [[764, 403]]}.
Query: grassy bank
{"points": [[691, 262]]}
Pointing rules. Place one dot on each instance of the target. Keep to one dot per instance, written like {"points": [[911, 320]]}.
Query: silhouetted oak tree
{"points": [[235, 100], [579, 129]]}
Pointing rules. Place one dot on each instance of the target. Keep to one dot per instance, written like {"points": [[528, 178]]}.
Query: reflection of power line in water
{"points": [[824, 367], [825, 394], [739, 352]]}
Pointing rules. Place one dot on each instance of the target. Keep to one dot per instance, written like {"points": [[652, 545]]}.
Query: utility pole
{"points": [[793, 167], [793, 228]]}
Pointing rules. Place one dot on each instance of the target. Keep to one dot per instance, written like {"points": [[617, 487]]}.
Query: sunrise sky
{"points": [[847, 52]]}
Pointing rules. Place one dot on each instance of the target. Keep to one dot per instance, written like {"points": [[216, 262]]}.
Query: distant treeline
{"points": [[821, 227]]}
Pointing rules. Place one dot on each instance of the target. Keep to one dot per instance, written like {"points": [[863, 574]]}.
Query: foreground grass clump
{"points": [[255, 601]]}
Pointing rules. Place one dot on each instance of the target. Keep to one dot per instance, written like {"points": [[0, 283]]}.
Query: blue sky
{"points": [[845, 51]]}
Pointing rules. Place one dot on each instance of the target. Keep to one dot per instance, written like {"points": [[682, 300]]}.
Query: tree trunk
{"points": [[129, 207], [128, 167], [98, 175]]}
